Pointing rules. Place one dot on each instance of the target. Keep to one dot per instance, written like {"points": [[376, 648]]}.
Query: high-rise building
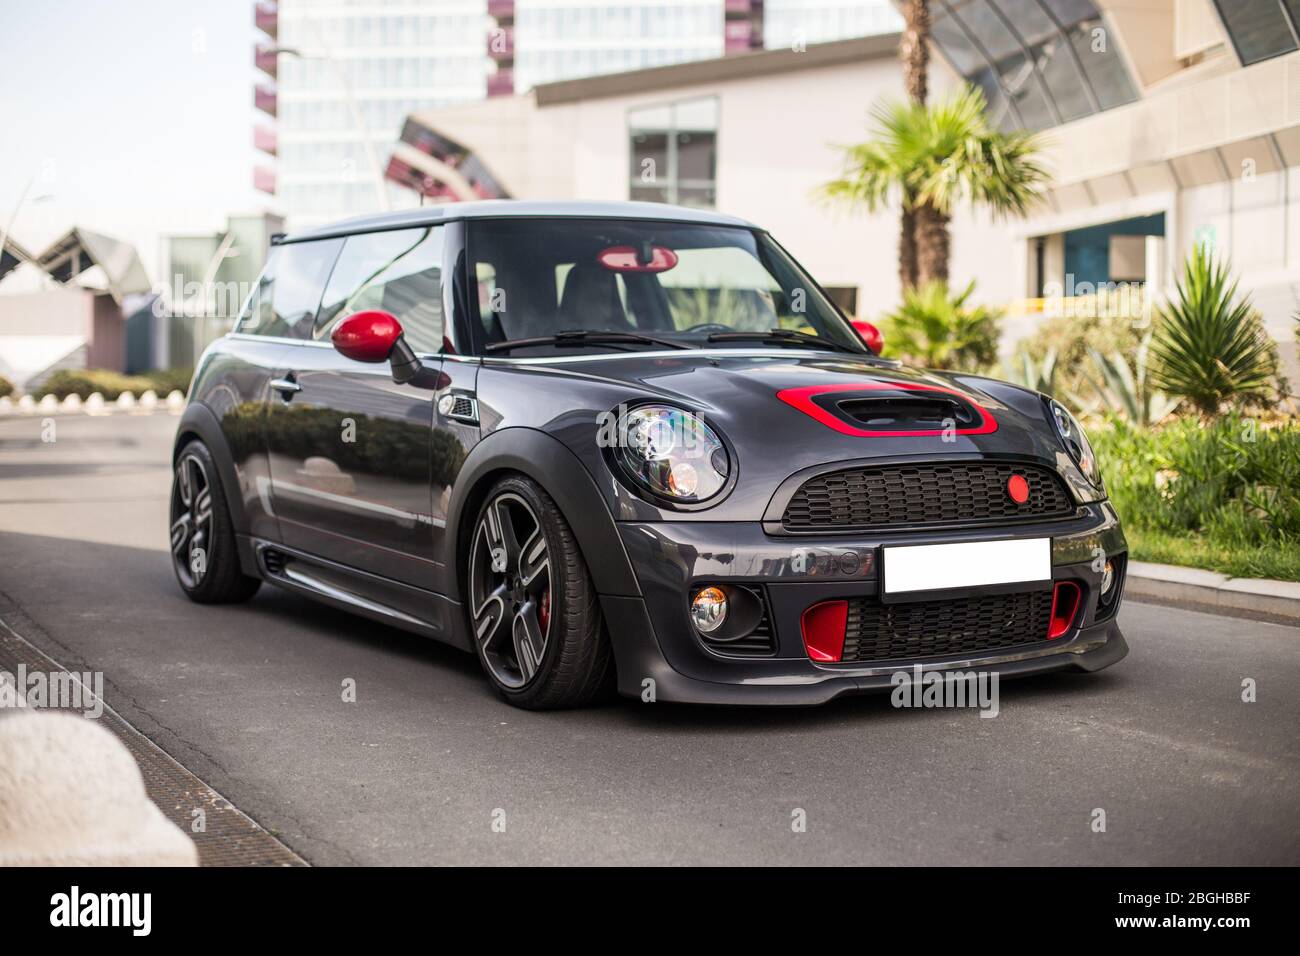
{"points": [[567, 39], [791, 24], [340, 77], [344, 78]]}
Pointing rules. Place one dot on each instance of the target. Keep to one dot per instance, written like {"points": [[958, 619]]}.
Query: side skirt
{"points": [[380, 599]]}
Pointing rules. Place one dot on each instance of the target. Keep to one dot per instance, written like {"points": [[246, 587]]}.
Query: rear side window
{"points": [[288, 293], [399, 272], [257, 314]]}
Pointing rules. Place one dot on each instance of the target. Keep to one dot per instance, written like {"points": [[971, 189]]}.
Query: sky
{"points": [[134, 118]]}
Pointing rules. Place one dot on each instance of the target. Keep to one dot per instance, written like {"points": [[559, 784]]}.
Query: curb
{"points": [[1168, 583]]}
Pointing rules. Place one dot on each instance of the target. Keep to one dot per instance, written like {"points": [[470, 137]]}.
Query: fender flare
{"points": [[547, 461], [201, 421]]}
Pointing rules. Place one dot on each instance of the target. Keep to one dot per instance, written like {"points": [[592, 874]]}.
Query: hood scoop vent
{"points": [[885, 409], [908, 412]]}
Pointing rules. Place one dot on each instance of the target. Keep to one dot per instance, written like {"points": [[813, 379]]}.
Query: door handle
{"points": [[285, 386]]}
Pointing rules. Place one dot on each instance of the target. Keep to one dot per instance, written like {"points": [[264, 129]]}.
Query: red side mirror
{"points": [[869, 334], [367, 336]]}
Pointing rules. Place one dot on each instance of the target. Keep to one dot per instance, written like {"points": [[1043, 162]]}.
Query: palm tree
{"points": [[1211, 346], [914, 51], [931, 158]]}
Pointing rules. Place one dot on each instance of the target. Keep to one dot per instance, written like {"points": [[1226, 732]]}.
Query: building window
{"points": [[674, 153], [1260, 29], [1040, 63]]}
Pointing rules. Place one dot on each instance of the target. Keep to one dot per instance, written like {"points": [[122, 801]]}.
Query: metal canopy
{"points": [[80, 249]]}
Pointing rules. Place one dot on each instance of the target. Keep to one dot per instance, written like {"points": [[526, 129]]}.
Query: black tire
{"points": [[576, 664], [203, 549]]}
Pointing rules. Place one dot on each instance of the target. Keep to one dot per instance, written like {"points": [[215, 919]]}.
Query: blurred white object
{"points": [[6, 404], [175, 399], [48, 403], [72, 402], [71, 795], [125, 400], [26, 404], [95, 403], [149, 399]]}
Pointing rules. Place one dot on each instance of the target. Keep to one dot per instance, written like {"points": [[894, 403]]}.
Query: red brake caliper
{"points": [[544, 611]]}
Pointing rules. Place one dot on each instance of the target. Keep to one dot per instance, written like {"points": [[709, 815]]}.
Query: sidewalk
{"points": [[1240, 597]]}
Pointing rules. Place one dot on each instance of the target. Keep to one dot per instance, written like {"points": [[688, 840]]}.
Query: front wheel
{"points": [[534, 614]]}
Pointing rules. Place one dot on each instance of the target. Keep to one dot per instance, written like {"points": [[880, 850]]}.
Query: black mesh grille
{"points": [[950, 628], [923, 495]]}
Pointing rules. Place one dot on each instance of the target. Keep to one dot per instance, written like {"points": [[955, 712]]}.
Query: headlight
{"points": [[672, 454], [1076, 442]]}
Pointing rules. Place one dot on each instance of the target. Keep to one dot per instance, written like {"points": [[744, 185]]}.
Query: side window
{"points": [[256, 315], [300, 276], [399, 272]]}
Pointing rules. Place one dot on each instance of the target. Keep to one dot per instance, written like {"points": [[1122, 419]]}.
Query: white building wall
{"points": [[777, 139]]}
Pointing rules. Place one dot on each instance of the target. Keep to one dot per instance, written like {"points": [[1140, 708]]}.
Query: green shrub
{"points": [[164, 381], [111, 384], [935, 328], [1229, 486], [6, 387], [84, 382], [1069, 340], [1124, 388]]}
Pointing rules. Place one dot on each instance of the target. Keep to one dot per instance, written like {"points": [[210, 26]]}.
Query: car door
{"points": [[349, 448]]}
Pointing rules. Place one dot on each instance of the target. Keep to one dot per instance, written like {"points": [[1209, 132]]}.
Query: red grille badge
{"points": [[1018, 489]]}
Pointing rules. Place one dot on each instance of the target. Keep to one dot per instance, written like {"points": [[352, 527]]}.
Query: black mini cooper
{"points": [[631, 445]]}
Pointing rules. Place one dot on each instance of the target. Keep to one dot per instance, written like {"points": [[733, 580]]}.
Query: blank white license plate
{"points": [[938, 567]]}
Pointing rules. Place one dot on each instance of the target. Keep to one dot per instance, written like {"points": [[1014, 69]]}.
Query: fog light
{"points": [[709, 609], [1107, 578]]}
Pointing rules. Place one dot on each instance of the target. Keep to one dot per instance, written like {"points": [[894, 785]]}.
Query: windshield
{"points": [[543, 277]]}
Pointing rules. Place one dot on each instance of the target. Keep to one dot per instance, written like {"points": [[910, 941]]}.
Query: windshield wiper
{"points": [[580, 337], [783, 337]]}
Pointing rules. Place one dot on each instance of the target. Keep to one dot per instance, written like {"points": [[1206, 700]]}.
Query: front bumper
{"points": [[653, 637]]}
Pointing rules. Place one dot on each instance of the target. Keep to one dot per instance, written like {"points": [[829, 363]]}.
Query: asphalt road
{"points": [[417, 769]]}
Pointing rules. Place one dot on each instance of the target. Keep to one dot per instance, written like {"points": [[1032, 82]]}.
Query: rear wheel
{"points": [[202, 535], [534, 614]]}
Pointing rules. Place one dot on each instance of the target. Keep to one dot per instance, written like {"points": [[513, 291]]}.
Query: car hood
{"points": [[779, 409], [792, 395]]}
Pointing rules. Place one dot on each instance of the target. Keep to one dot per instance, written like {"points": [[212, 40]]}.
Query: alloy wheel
{"points": [[510, 590], [191, 516]]}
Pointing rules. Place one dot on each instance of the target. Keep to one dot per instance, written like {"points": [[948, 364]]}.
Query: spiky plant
{"points": [[1126, 390], [1211, 346]]}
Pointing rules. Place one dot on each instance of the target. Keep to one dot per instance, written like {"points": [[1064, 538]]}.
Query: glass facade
{"points": [[566, 39], [1040, 63], [789, 23], [1261, 29], [674, 153], [396, 57]]}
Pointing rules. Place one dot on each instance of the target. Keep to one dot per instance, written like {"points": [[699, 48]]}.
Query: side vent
{"points": [[459, 407], [274, 561]]}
